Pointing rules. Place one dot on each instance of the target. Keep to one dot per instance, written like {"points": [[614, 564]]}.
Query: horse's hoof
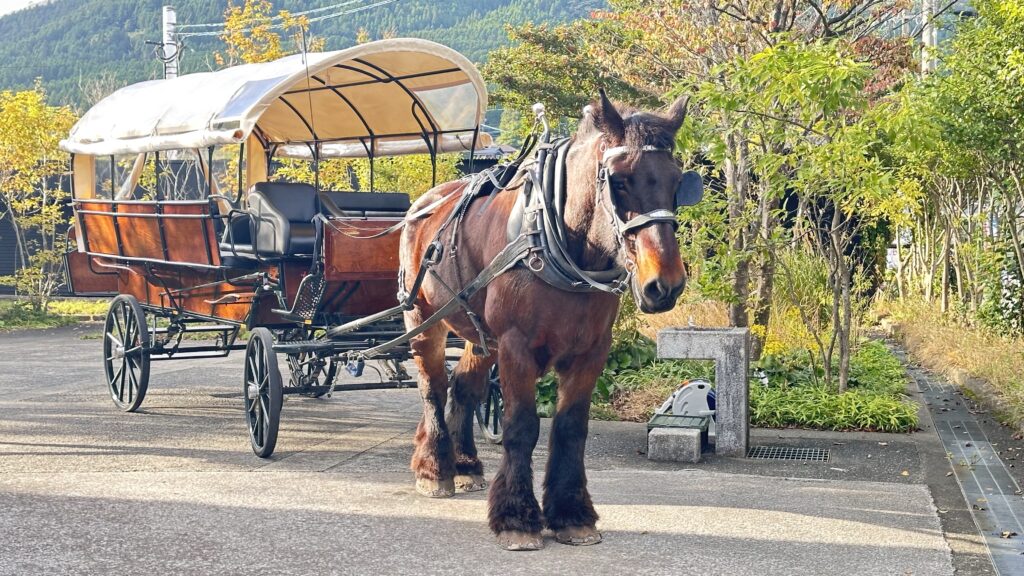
{"points": [[435, 488], [470, 482], [520, 541], [578, 536]]}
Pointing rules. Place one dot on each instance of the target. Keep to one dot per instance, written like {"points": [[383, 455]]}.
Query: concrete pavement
{"points": [[175, 489]]}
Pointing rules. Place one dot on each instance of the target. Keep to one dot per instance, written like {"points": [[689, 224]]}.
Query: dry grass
{"points": [[705, 313], [951, 348]]}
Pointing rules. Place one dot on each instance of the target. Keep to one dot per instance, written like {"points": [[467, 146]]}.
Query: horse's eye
{"points": [[618, 185]]}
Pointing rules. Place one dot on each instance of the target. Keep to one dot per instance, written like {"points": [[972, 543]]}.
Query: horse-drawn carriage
{"points": [[184, 214]]}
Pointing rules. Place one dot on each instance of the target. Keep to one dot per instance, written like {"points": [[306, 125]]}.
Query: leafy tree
{"points": [[249, 33], [655, 49], [964, 246], [30, 164]]}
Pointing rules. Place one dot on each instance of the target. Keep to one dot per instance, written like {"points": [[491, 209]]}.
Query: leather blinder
{"points": [[690, 190]]}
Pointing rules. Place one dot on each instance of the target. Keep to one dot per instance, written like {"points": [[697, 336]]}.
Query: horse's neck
{"points": [[590, 235]]}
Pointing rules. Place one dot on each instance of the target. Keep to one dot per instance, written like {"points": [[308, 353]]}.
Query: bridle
{"points": [[603, 190], [684, 196]]}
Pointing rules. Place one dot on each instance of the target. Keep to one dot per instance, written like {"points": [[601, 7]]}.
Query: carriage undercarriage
{"points": [[315, 365]]}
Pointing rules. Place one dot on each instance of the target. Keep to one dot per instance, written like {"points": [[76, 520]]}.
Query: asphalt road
{"points": [[175, 489]]}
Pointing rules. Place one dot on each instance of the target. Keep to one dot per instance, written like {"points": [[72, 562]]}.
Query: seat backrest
{"points": [[369, 201], [295, 201]]}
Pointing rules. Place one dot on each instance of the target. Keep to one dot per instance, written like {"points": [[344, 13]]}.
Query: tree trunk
{"points": [[737, 176], [846, 325], [945, 267], [766, 276]]}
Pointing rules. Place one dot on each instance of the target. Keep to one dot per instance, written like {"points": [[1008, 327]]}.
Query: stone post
{"points": [[729, 348]]}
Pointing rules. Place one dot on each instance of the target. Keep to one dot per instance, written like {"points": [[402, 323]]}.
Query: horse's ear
{"points": [[677, 112], [608, 119]]}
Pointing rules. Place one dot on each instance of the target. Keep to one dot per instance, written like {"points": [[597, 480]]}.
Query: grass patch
{"points": [[821, 408], [16, 315], [80, 307]]}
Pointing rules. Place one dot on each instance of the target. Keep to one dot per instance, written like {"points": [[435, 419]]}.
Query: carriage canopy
{"points": [[385, 98]]}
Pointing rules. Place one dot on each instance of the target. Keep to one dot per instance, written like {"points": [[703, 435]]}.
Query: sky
{"points": [[12, 5]]}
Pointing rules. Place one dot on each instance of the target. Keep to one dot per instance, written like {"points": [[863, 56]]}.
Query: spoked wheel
{"points": [[308, 371], [490, 411], [263, 392], [126, 352]]}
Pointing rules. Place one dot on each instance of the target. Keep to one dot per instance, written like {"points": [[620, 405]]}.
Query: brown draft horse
{"points": [[537, 327]]}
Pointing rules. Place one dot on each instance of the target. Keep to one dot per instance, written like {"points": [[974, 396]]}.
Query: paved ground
{"points": [[175, 489]]}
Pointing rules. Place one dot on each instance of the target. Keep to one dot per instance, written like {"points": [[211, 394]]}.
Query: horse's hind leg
{"points": [[468, 384], [568, 510], [432, 460]]}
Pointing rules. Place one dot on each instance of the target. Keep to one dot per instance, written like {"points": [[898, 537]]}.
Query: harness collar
{"points": [[538, 214]]}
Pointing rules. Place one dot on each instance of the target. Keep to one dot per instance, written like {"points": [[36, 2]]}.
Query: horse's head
{"points": [[639, 186]]}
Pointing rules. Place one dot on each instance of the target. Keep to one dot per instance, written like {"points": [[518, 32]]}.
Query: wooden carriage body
{"points": [[198, 246]]}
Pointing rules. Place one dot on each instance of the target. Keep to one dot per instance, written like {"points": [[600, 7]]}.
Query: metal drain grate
{"points": [[788, 453]]}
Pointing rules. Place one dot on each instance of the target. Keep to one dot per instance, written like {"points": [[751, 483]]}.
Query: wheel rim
{"points": [[257, 392], [123, 352]]}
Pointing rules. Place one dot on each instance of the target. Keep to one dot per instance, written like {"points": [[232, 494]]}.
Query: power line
{"points": [[278, 17], [310, 21]]}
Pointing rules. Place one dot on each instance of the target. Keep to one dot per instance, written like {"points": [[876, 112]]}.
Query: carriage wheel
{"points": [[263, 392], [491, 410], [126, 352]]}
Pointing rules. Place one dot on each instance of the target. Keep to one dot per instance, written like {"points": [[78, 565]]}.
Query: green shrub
{"points": [[819, 407], [874, 368], [15, 315], [795, 394], [627, 353]]}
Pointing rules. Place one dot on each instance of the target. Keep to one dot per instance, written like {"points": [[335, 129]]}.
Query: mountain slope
{"points": [[72, 44]]}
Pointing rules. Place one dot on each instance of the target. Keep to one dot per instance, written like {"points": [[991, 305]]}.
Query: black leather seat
{"points": [[282, 219], [341, 204]]}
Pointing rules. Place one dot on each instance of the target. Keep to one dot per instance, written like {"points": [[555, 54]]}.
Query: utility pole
{"points": [[170, 42], [929, 37]]}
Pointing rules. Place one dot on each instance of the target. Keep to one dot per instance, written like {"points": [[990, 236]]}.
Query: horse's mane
{"points": [[641, 129]]}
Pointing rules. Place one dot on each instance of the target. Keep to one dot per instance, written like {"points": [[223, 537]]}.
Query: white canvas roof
{"points": [[387, 94]]}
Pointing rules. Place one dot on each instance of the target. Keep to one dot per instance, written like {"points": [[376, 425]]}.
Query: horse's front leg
{"points": [[568, 510], [433, 461], [469, 380], [513, 512]]}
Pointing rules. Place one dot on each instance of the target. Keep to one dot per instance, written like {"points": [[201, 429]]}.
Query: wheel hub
{"points": [[119, 351]]}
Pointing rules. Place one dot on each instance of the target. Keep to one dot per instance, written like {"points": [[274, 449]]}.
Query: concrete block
{"points": [[729, 349], [674, 444]]}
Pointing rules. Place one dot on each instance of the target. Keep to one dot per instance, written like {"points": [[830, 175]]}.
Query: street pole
{"points": [[929, 37], [170, 42]]}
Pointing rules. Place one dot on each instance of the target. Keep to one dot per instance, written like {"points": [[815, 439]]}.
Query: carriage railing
{"points": [[177, 232]]}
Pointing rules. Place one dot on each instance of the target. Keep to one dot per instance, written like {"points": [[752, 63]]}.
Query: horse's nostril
{"points": [[656, 291]]}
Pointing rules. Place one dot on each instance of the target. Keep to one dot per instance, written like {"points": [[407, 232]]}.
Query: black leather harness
{"points": [[536, 233]]}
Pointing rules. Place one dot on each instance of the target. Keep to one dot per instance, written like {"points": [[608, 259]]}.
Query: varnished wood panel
{"points": [[186, 239], [84, 280], [350, 256], [220, 300]]}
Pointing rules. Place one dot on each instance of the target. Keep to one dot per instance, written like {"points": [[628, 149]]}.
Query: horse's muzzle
{"points": [[657, 296]]}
